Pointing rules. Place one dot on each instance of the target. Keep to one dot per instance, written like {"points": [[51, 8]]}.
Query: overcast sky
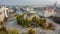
{"points": [[29, 2]]}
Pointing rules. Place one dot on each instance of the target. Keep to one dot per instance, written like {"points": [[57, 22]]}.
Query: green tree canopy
{"points": [[31, 31]]}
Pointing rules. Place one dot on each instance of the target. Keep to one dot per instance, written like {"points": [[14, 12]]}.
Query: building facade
{"points": [[4, 12]]}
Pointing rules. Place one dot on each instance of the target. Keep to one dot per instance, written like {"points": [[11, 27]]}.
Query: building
{"points": [[30, 13], [4, 12], [49, 12], [19, 10]]}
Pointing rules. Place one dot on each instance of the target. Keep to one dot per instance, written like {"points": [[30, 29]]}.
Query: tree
{"points": [[41, 22], [50, 26], [14, 31], [1, 23], [3, 30], [23, 33], [34, 19], [27, 22], [31, 31], [20, 20]]}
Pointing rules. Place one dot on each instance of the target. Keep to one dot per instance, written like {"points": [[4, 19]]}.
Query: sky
{"points": [[29, 2]]}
